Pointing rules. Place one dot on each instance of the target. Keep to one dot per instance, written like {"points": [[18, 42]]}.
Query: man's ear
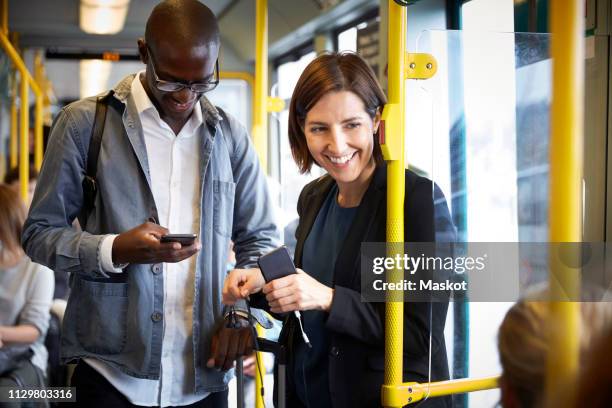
{"points": [[143, 51]]}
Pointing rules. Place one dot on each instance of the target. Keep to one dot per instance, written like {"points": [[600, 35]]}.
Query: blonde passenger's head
{"points": [[524, 345]]}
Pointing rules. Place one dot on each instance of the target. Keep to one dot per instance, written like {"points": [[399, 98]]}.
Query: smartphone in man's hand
{"points": [[183, 239]]}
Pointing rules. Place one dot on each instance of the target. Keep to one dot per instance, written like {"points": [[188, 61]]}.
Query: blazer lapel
{"points": [[312, 204]]}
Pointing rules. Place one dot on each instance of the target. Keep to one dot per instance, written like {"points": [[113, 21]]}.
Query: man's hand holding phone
{"points": [[144, 245], [240, 283]]}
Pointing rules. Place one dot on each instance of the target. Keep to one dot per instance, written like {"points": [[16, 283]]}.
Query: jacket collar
{"points": [[210, 114], [360, 230]]}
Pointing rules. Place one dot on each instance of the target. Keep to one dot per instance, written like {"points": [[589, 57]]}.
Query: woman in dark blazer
{"points": [[333, 121]]}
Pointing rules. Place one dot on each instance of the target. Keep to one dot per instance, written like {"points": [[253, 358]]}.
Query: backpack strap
{"points": [[89, 184]]}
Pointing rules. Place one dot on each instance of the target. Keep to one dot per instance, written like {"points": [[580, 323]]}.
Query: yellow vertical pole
{"points": [[14, 142], [4, 6], [260, 367], [260, 126], [394, 131], [260, 113], [38, 112], [566, 150], [24, 142]]}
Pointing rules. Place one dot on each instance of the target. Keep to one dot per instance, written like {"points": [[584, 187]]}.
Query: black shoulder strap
{"points": [[96, 135], [89, 182]]}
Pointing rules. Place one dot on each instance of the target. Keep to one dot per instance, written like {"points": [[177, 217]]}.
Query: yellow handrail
{"points": [[393, 150], [441, 388], [26, 80], [260, 124], [413, 392], [14, 149], [38, 113], [5, 17], [260, 89], [566, 150], [245, 76]]}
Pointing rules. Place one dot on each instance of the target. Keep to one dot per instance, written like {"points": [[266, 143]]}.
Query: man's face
{"points": [[184, 65]]}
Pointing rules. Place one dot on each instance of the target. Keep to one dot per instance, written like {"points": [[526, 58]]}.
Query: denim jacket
{"points": [[118, 318]]}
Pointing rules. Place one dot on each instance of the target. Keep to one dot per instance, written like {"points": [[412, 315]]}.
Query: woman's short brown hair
{"points": [[331, 72], [12, 217]]}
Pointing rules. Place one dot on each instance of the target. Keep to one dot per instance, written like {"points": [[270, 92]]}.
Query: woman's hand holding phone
{"points": [[298, 291]]}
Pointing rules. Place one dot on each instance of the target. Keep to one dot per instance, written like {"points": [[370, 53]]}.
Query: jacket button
{"points": [[156, 317], [334, 351], [156, 268]]}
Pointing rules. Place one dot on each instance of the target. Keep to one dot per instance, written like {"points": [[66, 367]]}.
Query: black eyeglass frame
{"points": [[170, 86]]}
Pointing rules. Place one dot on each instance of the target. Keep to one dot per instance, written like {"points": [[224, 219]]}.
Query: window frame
{"points": [[363, 18]]}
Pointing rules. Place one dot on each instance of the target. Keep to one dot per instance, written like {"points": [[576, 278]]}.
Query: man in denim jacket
{"points": [[145, 318]]}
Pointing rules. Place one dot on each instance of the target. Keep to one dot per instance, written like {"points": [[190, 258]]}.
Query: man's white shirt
{"points": [[174, 165]]}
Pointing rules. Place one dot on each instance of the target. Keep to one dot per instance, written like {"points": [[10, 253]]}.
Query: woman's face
{"points": [[339, 133]]}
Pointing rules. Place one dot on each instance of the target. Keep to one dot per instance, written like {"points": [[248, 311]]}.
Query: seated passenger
{"points": [[11, 178], [524, 347], [334, 117], [26, 290], [595, 384]]}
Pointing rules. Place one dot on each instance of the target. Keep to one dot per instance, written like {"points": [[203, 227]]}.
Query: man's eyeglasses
{"points": [[196, 87]]}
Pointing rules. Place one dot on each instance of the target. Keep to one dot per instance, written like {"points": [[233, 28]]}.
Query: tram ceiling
{"points": [[55, 24]]}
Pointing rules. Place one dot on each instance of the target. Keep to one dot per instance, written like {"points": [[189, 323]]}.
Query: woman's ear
{"points": [[376, 120]]}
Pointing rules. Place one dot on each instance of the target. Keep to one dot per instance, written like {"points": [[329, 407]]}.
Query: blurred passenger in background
{"points": [[11, 178], [595, 383], [26, 290], [524, 346]]}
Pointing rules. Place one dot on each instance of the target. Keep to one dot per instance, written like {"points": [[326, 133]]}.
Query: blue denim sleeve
{"points": [[254, 229], [48, 235]]}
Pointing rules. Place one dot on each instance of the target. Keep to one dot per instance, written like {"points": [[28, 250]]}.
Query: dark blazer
{"points": [[356, 355]]}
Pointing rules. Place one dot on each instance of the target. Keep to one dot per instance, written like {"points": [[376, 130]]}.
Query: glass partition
{"points": [[480, 129]]}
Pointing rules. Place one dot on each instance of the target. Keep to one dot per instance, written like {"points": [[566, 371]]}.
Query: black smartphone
{"points": [[183, 239], [276, 264]]}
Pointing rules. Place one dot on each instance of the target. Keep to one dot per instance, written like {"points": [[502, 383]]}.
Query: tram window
{"points": [[291, 181], [361, 37], [488, 15], [232, 95], [347, 40]]}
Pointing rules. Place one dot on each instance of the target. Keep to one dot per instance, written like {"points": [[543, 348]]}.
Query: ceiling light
{"points": [[103, 16]]}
